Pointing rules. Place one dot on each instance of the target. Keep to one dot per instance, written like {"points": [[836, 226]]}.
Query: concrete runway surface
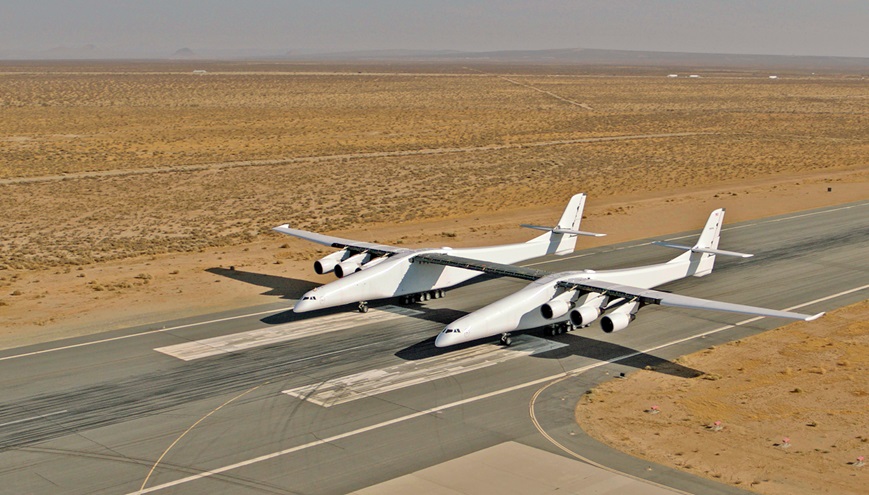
{"points": [[262, 400]]}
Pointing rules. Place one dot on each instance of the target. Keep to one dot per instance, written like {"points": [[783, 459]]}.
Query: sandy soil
{"points": [[791, 402]]}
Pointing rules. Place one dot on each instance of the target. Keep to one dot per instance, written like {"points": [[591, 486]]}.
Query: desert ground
{"points": [[790, 403], [127, 189]]}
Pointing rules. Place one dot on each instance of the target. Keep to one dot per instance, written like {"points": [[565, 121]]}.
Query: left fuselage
{"points": [[399, 275]]}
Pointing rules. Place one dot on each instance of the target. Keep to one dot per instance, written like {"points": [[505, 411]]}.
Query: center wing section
{"points": [[649, 296], [341, 243], [489, 267]]}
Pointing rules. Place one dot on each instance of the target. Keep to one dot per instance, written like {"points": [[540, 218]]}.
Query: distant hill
{"points": [[183, 54]]}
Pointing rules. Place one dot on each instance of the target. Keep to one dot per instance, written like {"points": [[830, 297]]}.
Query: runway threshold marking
{"points": [[451, 405], [140, 334], [374, 382], [235, 342], [271, 311]]}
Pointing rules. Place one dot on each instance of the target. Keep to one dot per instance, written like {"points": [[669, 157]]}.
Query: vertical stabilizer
{"points": [[562, 237], [572, 216], [702, 263], [570, 220]]}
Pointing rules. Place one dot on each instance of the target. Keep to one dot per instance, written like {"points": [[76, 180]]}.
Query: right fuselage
{"points": [[521, 310]]}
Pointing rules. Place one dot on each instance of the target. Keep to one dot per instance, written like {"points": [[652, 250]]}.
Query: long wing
{"points": [[649, 296], [340, 243], [644, 296]]}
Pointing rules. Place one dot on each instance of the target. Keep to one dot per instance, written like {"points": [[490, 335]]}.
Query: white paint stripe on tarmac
{"points": [[147, 332], [576, 371], [32, 418], [235, 342], [373, 382], [562, 258]]}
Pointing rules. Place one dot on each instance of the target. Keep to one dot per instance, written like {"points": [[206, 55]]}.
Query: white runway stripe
{"points": [[225, 344], [353, 387]]}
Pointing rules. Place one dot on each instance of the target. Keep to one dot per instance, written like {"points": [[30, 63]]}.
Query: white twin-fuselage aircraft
{"points": [[562, 301], [369, 271], [559, 301]]}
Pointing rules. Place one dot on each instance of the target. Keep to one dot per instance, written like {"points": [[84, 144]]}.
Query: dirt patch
{"points": [[783, 412]]}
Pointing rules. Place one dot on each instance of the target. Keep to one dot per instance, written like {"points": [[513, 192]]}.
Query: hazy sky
{"points": [[783, 27]]}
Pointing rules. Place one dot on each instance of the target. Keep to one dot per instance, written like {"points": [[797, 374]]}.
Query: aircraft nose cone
{"points": [[442, 340], [308, 302], [448, 337]]}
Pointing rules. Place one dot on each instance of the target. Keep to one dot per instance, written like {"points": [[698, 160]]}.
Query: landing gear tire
{"points": [[506, 340], [363, 307]]}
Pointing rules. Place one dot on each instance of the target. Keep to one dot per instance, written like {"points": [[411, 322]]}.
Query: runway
{"points": [[265, 401]]}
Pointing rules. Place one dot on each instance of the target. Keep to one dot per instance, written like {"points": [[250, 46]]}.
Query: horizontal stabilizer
{"points": [[556, 230], [703, 250]]}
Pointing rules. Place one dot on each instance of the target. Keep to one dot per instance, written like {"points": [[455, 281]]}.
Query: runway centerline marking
{"points": [[378, 381], [401, 419], [290, 308], [32, 418], [225, 344]]}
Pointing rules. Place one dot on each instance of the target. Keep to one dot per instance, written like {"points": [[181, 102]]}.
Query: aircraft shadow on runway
{"points": [[287, 288], [578, 345]]}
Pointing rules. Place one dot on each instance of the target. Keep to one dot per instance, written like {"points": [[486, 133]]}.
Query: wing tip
{"points": [[815, 317]]}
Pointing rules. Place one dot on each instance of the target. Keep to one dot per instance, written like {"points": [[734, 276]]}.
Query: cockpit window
{"points": [[309, 298], [452, 330]]}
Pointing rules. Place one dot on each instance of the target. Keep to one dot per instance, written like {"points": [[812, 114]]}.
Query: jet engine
{"points": [[327, 264], [619, 318], [615, 322], [583, 316], [351, 265], [558, 306]]}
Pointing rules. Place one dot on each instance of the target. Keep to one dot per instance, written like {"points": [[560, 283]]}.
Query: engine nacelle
{"points": [[327, 264], [555, 308], [615, 322], [559, 305], [584, 315], [351, 265]]}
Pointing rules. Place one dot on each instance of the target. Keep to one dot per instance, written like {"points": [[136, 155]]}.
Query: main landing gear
{"points": [[506, 340], [558, 328], [422, 296], [363, 306]]}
